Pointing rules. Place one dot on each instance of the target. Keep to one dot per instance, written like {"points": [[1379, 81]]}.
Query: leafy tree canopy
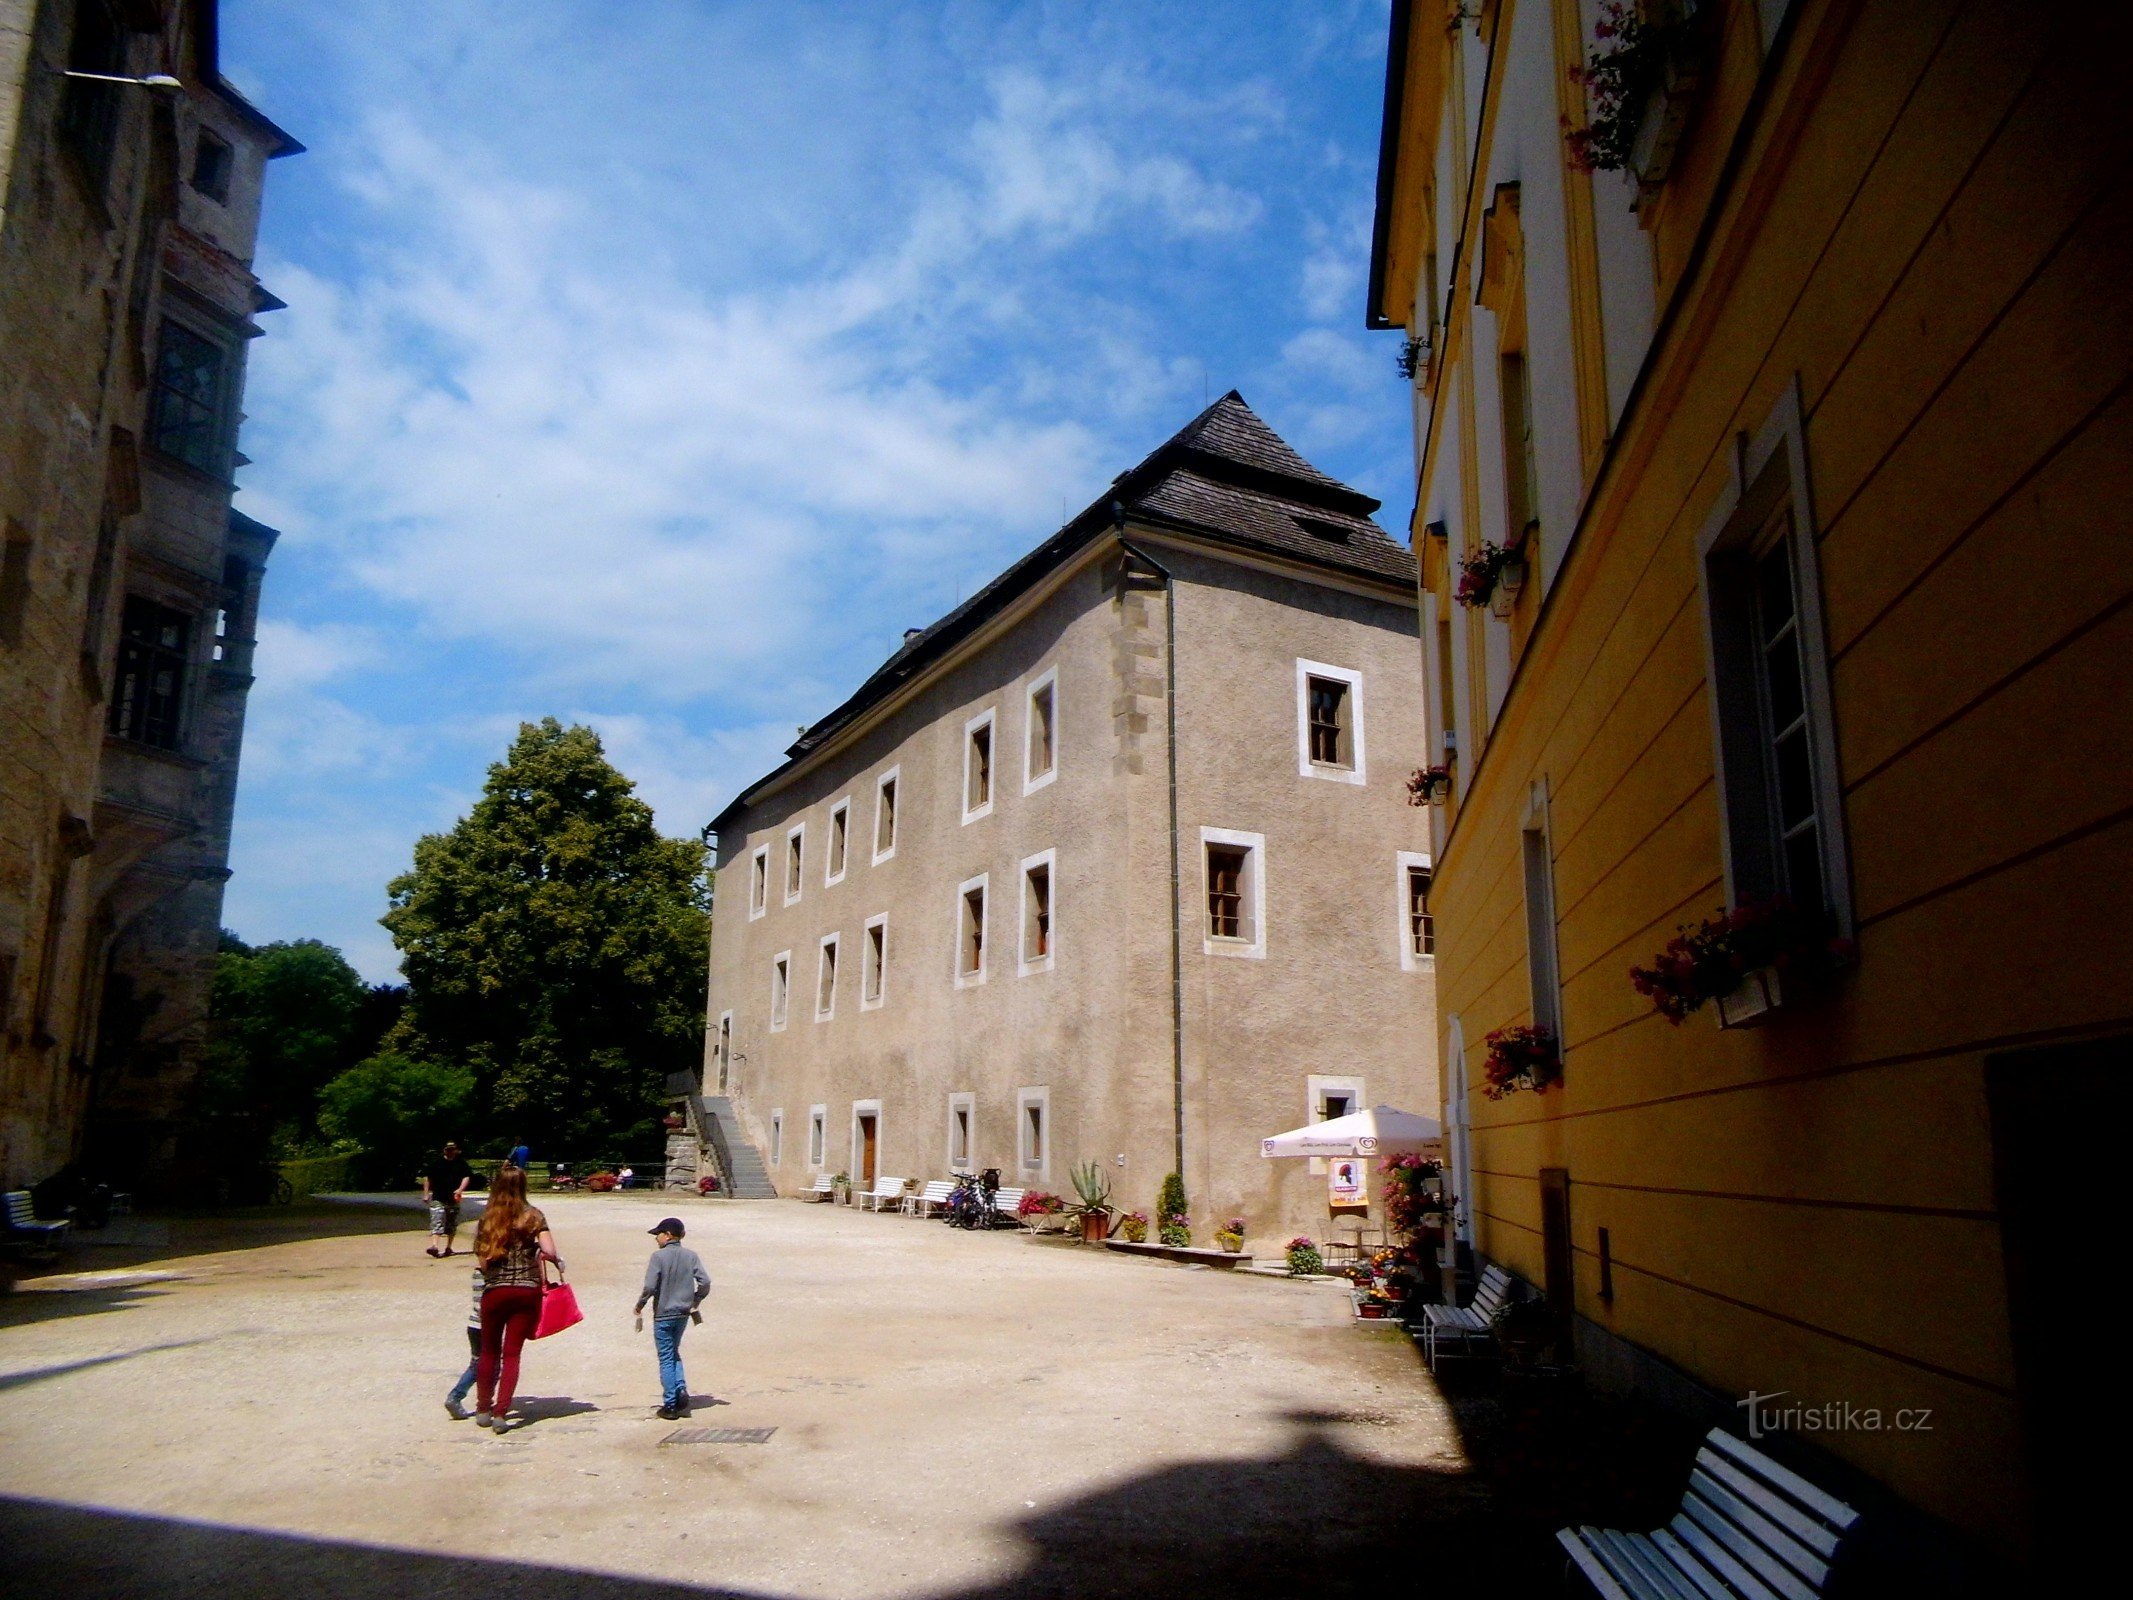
{"points": [[554, 945], [284, 1021], [398, 1110]]}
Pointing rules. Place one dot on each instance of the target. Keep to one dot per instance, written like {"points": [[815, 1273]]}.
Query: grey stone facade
{"points": [[130, 588]]}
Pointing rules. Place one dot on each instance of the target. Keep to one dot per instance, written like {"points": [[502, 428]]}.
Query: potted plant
{"points": [[1641, 81], [1303, 1258], [1481, 572], [1134, 1225], [1739, 959], [1176, 1231], [1522, 1058], [1093, 1189], [1036, 1205], [707, 1184], [1429, 786], [673, 1120], [841, 1189], [1230, 1236]]}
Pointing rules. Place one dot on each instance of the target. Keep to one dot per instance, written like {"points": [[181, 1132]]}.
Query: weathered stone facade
{"points": [[128, 586], [1145, 674]]}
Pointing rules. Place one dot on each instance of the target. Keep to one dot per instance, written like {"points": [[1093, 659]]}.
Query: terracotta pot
{"points": [[1094, 1225]]}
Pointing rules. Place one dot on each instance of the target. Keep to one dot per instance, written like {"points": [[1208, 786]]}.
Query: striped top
{"points": [[520, 1266]]}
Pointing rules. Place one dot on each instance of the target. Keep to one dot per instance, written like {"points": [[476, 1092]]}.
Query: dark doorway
{"points": [[868, 1136], [1558, 1269]]}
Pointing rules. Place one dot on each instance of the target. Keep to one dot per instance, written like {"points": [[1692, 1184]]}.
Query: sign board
{"points": [[1347, 1182]]}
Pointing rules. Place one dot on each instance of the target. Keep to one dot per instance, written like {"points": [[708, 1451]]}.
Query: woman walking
{"points": [[511, 1244]]}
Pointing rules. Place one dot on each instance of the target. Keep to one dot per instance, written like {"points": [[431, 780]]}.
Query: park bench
{"points": [[1446, 1326], [929, 1199], [1747, 1527], [824, 1187], [23, 1223], [1007, 1206], [886, 1191]]}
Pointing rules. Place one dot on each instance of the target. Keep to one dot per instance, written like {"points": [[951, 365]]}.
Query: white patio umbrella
{"points": [[1380, 1131]]}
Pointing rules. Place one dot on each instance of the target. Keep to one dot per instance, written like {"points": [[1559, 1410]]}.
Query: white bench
{"points": [[22, 1219], [824, 1188], [1444, 1326], [1747, 1527], [886, 1191], [1007, 1205], [929, 1199]]}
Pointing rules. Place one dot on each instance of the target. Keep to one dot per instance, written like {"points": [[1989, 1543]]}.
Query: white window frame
{"points": [[1254, 844], [722, 1048], [759, 862], [1769, 470], [1047, 680], [1305, 766], [1316, 1086], [842, 809], [1544, 971], [881, 970], [1024, 967], [827, 954], [970, 980], [1039, 1096], [868, 1108], [1402, 863], [795, 882], [777, 1136], [984, 719], [896, 817], [817, 1137], [780, 1005], [967, 1104]]}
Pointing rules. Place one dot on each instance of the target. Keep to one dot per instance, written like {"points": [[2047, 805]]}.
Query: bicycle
{"points": [[970, 1202]]}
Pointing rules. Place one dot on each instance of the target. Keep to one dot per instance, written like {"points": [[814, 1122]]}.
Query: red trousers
{"points": [[508, 1318]]}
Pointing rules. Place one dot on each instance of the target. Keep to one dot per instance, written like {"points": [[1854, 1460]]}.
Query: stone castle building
{"points": [[1113, 863], [130, 183]]}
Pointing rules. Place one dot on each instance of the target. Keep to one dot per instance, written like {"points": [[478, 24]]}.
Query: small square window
{"points": [[1236, 892], [213, 160], [1329, 722], [1331, 745], [840, 828], [1225, 891], [1418, 925]]}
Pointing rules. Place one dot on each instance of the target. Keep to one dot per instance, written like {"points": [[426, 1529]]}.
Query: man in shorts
{"points": [[444, 1186]]}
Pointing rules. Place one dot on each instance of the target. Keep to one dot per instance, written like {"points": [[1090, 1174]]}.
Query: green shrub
{"points": [[399, 1110], [1170, 1201]]}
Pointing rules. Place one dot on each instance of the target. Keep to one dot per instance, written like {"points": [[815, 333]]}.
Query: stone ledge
{"points": [[1184, 1253]]}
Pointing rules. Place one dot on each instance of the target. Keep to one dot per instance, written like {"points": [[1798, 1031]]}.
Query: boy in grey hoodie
{"points": [[675, 1283]]}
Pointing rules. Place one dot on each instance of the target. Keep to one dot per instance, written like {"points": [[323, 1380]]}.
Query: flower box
{"points": [[1666, 109], [1756, 997], [1510, 578]]}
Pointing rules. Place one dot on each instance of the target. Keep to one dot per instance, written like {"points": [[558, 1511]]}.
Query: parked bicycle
{"points": [[970, 1202]]}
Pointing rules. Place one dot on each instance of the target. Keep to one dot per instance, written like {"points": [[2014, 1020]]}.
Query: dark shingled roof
{"points": [[1226, 477]]}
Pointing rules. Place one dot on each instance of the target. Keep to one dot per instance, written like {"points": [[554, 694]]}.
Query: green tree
{"points": [[283, 1023], [399, 1110], [554, 945]]}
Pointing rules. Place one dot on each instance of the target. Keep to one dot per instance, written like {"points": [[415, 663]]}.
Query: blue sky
{"points": [[655, 365]]}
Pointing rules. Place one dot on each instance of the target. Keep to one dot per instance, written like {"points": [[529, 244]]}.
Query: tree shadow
{"points": [[17, 1380], [49, 1301]]}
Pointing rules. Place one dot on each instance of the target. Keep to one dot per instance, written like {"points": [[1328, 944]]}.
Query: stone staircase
{"points": [[740, 1165]]}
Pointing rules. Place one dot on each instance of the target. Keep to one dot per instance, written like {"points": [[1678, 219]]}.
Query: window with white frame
{"points": [[840, 829], [977, 767], [1040, 751], [1235, 887], [1329, 722], [1417, 925], [1327, 1097], [1033, 1118], [817, 1134], [826, 979], [724, 1050], [795, 850], [874, 962], [759, 882], [780, 988], [1037, 876], [962, 1117], [1539, 863], [885, 814], [777, 1136], [970, 931], [1769, 675]]}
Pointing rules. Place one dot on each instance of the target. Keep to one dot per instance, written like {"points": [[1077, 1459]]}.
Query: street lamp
{"points": [[155, 80]]}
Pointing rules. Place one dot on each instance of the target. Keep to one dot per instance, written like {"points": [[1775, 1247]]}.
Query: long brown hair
{"points": [[506, 1219]]}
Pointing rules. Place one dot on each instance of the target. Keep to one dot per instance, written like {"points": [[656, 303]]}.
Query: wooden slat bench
{"points": [[886, 1191], [1007, 1207], [931, 1198], [24, 1224], [1747, 1528], [1444, 1327], [824, 1188]]}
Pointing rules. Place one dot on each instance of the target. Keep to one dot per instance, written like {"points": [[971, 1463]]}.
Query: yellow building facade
{"points": [[1796, 381]]}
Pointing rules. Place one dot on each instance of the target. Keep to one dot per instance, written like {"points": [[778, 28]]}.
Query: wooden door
{"points": [[866, 1149]]}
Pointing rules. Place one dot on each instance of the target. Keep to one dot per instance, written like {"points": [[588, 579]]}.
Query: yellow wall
{"points": [[1929, 226]]}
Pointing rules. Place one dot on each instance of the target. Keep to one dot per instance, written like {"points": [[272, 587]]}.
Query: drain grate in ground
{"points": [[719, 1436]]}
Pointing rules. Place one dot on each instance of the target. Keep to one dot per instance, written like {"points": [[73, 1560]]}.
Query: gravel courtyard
{"points": [[255, 1407]]}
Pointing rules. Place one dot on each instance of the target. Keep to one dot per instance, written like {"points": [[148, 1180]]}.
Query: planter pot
{"points": [[1232, 1242], [1439, 793], [1502, 597], [1665, 115], [1756, 997], [1094, 1225]]}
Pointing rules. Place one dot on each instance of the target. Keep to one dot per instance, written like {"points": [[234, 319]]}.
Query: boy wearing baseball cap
{"points": [[675, 1283]]}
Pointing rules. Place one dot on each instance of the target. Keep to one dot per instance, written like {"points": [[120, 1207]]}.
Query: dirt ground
{"points": [[255, 1407]]}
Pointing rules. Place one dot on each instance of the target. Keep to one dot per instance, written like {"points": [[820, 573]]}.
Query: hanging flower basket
{"points": [[1481, 574], [1739, 958], [1641, 81], [1429, 786], [1522, 1058]]}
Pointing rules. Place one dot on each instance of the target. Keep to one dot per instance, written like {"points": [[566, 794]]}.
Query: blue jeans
{"points": [[466, 1378], [666, 1338]]}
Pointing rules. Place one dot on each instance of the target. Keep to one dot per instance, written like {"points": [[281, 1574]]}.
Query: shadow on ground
{"points": [[1316, 1521]]}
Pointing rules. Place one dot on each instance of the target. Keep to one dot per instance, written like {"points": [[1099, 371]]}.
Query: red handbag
{"points": [[559, 1306]]}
